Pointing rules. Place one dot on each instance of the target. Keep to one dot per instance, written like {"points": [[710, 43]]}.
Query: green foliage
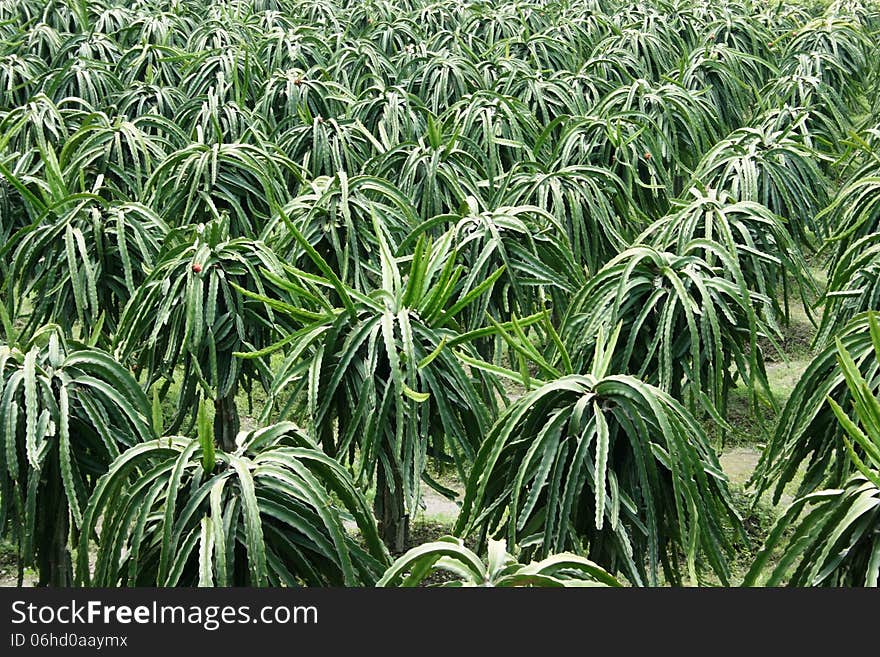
{"points": [[835, 539], [449, 555], [685, 320], [170, 514], [384, 386], [335, 216], [729, 76], [607, 465], [682, 121], [201, 182], [587, 201], [82, 265], [523, 248], [768, 164], [808, 435], [854, 214], [758, 242], [853, 286], [365, 215], [192, 313], [67, 410]]}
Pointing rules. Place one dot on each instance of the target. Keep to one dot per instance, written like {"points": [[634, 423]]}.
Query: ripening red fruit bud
{"points": [[197, 268]]}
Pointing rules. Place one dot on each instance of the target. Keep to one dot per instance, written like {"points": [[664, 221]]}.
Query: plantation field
{"points": [[415, 292]]}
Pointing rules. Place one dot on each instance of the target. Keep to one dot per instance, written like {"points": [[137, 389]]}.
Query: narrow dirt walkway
{"points": [[738, 463]]}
